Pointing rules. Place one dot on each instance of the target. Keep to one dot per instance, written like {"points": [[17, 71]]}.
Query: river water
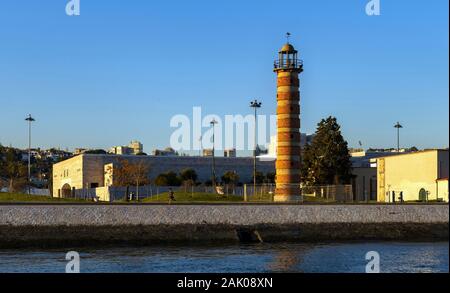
{"points": [[283, 257]]}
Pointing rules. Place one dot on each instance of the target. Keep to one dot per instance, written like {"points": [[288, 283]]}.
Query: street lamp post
{"points": [[201, 145], [30, 120], [255, 105], [213, 123], [398, 126]]}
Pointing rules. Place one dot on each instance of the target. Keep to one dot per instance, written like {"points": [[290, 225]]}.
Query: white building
{"points": [[133, 148]]}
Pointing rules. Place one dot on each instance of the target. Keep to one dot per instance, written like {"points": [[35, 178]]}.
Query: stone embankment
{"points": [[72, 225]]}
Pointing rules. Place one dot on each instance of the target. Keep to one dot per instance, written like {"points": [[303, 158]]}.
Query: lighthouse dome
{"points": [[288, 48]]}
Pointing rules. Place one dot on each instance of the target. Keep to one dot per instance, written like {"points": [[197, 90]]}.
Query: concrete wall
{"points": [[93, 171], [24, 225], [237, 214], [101, 193], [442, 189], [365, 184]]}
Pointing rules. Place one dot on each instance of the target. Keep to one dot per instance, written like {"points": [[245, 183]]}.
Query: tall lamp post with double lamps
{"points": [[213, 123], [255, 105], [398, 126], [30, 120]]}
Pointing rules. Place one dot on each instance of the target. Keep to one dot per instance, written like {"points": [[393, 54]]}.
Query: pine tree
{"points": [[327, 159]]}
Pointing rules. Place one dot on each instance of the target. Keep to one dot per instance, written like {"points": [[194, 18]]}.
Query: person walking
{"points": [[171, 196]]}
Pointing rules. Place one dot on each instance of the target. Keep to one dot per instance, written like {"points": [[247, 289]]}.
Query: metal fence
{"points": [[244, 193], [31, 191], [328, 193], [321, 193], [153, 191]]}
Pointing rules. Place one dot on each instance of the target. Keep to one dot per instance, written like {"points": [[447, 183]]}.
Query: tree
{"points": [[161, 180], [140, 173], [270, 177], [2, 161], [188, 175], [14, 169], [413, 149], [128, 174], [96, 152], [230, 180], [230, 177], [168, 179], [327, 159], [259, 177]]}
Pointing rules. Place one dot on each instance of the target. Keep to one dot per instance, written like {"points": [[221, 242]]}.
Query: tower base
{"points": [[287, 198]]}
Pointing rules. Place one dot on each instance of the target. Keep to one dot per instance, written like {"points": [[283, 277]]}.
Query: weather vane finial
{"points": [[288, 35]]}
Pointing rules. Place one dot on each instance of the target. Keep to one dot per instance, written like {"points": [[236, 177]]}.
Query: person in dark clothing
{"points": [[171, 195]]}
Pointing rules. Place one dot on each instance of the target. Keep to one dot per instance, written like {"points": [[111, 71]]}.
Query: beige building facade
{"points": [[417, 176], [87, 171]]}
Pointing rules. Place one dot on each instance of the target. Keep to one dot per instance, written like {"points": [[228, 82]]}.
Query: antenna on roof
{"points": [[288, 35]]}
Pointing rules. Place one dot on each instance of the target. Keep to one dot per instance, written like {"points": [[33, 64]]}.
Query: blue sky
{"points": [[122, 69]]}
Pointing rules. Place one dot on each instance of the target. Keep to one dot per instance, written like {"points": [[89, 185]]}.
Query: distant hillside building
{"points": [[121, 150], [207, 152], [79, 151], [167, 152], [137, 147], [134, 148], [229, 153]]}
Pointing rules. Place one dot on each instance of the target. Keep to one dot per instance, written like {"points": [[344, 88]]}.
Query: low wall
{"points": [[22, 225]]}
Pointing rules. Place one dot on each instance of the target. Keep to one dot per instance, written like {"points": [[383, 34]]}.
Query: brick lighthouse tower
{"points": [[288, 67]]}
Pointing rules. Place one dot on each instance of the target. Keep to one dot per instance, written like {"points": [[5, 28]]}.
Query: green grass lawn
{"points": [[307, 198], [195, 197], [180, 197], [20, 197], [185, 197]]}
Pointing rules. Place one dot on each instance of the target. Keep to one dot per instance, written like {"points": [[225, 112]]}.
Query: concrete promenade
{"points": [[23, 225]]}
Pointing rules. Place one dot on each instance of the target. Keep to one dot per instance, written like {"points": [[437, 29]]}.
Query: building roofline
{"points": [[412, 153], [151, 156]]}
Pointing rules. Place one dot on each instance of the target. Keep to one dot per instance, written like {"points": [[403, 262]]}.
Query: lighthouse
{"points": [[288, 67]]}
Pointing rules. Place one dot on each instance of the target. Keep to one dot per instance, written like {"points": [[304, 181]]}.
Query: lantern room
{"points": [[287, 59]]}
